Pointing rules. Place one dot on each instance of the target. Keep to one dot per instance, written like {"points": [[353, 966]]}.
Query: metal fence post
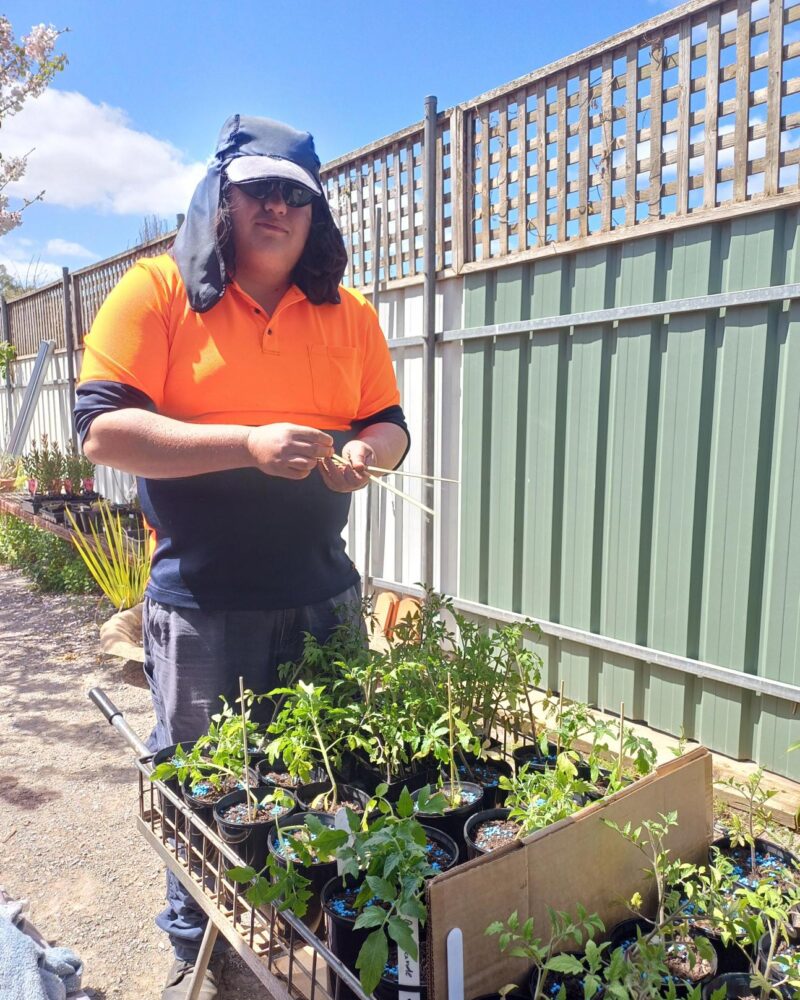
{"points": [[370, 491], [69, 347], [429, 332], [4, 317]]}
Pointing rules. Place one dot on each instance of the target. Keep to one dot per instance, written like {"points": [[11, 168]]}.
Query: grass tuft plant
{"points": [[119, 565]]}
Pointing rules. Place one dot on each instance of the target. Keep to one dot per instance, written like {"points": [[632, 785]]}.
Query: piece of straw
{"points": [[410, 475], [338, 460]]}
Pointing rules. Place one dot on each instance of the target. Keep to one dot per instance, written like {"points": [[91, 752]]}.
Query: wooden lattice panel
{"points": [[36, 317], [91, 285], [702, 112], [389, 176]]}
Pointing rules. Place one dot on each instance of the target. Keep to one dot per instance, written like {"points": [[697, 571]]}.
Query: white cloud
{"points": [[25, 265], [87, 155], [65, 248]]}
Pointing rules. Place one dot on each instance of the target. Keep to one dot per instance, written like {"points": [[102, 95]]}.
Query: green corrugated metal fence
{"points": [[637, 479]]}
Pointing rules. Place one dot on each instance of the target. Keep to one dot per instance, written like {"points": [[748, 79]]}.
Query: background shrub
{"points": [[51, 562]]}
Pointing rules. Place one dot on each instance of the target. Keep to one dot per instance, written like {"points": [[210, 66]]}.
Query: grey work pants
{"points": [[191, 658]]}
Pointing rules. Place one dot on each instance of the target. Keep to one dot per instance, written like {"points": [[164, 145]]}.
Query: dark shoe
{"points": [[180, 975]]}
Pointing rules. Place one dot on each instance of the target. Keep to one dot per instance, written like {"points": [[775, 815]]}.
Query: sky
{"points": [[124, 131]]}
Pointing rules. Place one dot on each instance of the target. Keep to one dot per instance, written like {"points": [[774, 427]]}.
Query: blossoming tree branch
{"points": [[26, 68]]}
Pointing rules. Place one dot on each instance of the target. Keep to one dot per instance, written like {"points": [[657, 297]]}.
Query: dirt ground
{"points": [[68, 841]]}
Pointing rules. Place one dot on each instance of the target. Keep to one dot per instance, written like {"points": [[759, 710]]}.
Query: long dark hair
{"points": [[322, 264]]}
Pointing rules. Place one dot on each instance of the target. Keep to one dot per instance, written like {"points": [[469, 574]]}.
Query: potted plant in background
{"points": [[556, 973], [664, 944], [745, 842], [443, 738], [759, 922], [10, 470], [536, 798], [43, 465], [310, 731]]}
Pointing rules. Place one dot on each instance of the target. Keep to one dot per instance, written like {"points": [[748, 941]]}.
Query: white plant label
{"points": [[408, 968], [340, 823]]}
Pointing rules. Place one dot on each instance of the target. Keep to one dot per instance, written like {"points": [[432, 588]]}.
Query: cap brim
{"points": [[253, 168]]}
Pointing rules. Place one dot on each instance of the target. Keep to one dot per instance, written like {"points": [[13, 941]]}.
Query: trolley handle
{"points": [[115, 718]]}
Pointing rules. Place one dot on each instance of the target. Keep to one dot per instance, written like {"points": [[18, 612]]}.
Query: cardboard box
{"points": [[580, 860]]}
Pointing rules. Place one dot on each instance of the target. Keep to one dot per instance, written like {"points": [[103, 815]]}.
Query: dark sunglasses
{"points": [[294, 195]]}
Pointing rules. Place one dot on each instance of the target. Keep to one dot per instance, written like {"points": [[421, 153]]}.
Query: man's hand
{"points": [[288, 450], [354, 476]]}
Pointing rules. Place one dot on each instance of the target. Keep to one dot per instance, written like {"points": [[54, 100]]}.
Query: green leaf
{"points": [[400, 933], [565, 963], [372, 960], [262, 892], [242, 874], [384, 890], [372, 916], [405, 804]]}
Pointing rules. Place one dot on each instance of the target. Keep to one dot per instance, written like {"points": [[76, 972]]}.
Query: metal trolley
{"points": [[291, 962]]}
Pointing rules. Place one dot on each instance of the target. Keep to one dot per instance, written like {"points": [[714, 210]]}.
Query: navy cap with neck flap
{"points": [[196, 250]]}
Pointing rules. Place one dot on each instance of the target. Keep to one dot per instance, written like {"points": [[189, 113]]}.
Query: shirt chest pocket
{"points": [[335, 380]]}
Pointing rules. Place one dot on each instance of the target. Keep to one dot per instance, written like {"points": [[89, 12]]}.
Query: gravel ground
{"points": [[68, 841]]}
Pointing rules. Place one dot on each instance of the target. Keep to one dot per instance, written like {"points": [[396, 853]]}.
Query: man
{"points": [[225, 376]]}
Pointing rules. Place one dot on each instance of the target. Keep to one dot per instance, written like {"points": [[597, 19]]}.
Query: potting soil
{"points": [[686, 964], [438, 858], [319, 805], [343, 903], [210, 793], [495, 833], [262, 812], [482, 773], [768, 866]]}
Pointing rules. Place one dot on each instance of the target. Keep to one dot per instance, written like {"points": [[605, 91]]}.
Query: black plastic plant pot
{"points": [[553, 981], [344, 940], [452, 820], [442, 850], [486, 772], [471, 829], [318, 874], [250, 838], [166, 807], [768, 856], [307, 795], [730, 957], [780, 966], [624, 934], [531, 754], [52, 512], [81, 512], [32, 504], [684, 985], [737, 985], [277, 774], [363, 775], [389, 987]]}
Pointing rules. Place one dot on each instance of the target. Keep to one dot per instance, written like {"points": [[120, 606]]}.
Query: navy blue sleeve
{"points": [[94, 398], [390, 415]]}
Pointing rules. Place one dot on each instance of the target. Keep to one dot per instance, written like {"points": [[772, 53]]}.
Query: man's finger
{"points": [[313, 435]]}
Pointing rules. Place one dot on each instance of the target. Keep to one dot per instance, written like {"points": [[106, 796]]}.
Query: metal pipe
{"points": [[429, 331], [69, 346], [647, 310], [657, 657]]}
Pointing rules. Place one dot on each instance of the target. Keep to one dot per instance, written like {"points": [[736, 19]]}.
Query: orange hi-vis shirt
{"points": [[321, 366], [240, 540]]}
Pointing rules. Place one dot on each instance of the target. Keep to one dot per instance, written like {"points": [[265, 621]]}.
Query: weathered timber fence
{"points": [[617, 254]]}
